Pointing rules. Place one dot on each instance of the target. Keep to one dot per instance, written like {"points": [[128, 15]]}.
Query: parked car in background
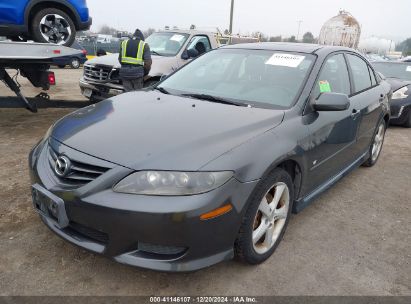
{"points": [[406, 59], [75, 60], [170, 51], [210, 163], [374, 57], [51, 21], [398, 74]]}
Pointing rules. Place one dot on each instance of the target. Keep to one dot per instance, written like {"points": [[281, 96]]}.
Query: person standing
{"points": [[135, 59]]}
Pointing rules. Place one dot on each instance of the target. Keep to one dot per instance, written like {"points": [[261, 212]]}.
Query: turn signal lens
{"points": [[216, 213]]}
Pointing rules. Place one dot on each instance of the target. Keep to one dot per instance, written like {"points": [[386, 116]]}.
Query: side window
{"points": [[360, 73], [333, 77], [200, 43]]}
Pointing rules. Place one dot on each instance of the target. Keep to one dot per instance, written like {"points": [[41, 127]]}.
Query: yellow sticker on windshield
{"points": [[325, 86]]}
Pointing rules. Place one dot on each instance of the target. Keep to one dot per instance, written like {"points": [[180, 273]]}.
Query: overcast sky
{"points": [[381, 18]]}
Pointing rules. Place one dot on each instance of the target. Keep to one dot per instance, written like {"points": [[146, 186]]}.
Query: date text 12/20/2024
{"points": [[203, 300]]}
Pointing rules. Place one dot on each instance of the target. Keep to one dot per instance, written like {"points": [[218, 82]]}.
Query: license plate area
{"points": [[50, 206]]}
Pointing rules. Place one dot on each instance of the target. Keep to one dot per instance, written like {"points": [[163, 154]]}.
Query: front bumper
{"points": [[100, 91], [124, 227]]}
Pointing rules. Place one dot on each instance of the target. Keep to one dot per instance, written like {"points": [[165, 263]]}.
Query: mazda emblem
{"points": [[62, 166]]}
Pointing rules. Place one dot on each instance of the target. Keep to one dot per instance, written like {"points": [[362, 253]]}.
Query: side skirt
{"points": [[304, 202]]}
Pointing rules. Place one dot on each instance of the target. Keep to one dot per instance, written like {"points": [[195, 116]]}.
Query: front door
{"points": [[332, 134]]}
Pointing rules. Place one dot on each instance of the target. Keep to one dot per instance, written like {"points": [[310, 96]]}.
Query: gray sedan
{"points": [[211, 163]]}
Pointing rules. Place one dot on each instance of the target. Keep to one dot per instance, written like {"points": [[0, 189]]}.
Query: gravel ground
{"points": [[354, 240]]}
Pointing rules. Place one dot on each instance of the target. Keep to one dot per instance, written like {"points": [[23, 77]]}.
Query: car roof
{"points": [[290, 47]]}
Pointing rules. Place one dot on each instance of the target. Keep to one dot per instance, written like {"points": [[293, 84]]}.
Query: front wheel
{"points": [[75, 63], [407, 124], [52, 25], [266, 218], [376, 145]]}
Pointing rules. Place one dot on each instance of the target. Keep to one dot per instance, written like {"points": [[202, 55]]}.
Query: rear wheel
{"points": [[52, 25], [376, 145], [266, 218]]}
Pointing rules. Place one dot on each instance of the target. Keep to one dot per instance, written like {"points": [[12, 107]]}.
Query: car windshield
{"points": [[260, 78], [394, 70], [166, 43]]}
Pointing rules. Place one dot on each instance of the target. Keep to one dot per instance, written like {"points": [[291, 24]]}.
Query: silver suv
{"points": [[170, 50]]}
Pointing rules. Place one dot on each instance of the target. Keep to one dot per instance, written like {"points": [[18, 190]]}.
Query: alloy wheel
{"points": [[55, 29], [75, 63], [271, 218], [378, 143]]}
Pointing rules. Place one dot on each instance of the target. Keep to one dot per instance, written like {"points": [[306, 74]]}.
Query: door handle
{"points": [[355, 114]]}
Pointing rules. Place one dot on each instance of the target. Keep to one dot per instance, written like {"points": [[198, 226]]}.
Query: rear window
{"points": [[360, 72]]}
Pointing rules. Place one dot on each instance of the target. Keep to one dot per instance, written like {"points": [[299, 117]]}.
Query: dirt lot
{"points": [[354, 240]]}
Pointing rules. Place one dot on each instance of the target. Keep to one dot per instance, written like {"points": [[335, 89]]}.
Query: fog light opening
{"points": [[216, 213]]}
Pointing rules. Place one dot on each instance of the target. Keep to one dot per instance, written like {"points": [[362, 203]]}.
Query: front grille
{"points": [[97, 73], [159, 249], [80, 173], [88, 233]]}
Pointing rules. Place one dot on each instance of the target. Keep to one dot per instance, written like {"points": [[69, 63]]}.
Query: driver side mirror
{"points": [[331, 102], [191, 53]]}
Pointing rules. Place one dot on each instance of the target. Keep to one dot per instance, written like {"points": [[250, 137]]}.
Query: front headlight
{"points": [[48, 133], [166, 183], [400, 94]]}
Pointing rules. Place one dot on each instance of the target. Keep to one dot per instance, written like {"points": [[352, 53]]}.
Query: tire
{"points": [[75, 63], [407, 124], [377, 143], [61, 66], [64, 26], [249, 247]]}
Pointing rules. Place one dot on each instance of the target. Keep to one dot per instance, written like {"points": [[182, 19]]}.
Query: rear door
{"points": [[369, 97], [332, 134]]}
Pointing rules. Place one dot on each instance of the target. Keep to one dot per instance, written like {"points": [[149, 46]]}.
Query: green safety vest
{"points": [[138, 60]]}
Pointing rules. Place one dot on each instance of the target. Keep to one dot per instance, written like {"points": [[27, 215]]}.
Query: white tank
{"points": [[342, 30], [376, 45]]}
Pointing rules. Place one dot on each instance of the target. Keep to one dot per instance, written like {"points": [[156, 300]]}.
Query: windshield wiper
{"points": [[155, 53], [162, 90], [216, 99]]}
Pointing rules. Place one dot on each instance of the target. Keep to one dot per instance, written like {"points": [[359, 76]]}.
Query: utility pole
{"points": [[231, 21], [231, 17], [299, 28]]}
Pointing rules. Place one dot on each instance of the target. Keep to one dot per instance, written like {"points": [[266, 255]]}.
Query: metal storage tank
{"points": [[342, 30]]}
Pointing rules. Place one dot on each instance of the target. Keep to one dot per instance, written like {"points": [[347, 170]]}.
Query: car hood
{"points": [[397, 83], [161, 65], [150, 130]]}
